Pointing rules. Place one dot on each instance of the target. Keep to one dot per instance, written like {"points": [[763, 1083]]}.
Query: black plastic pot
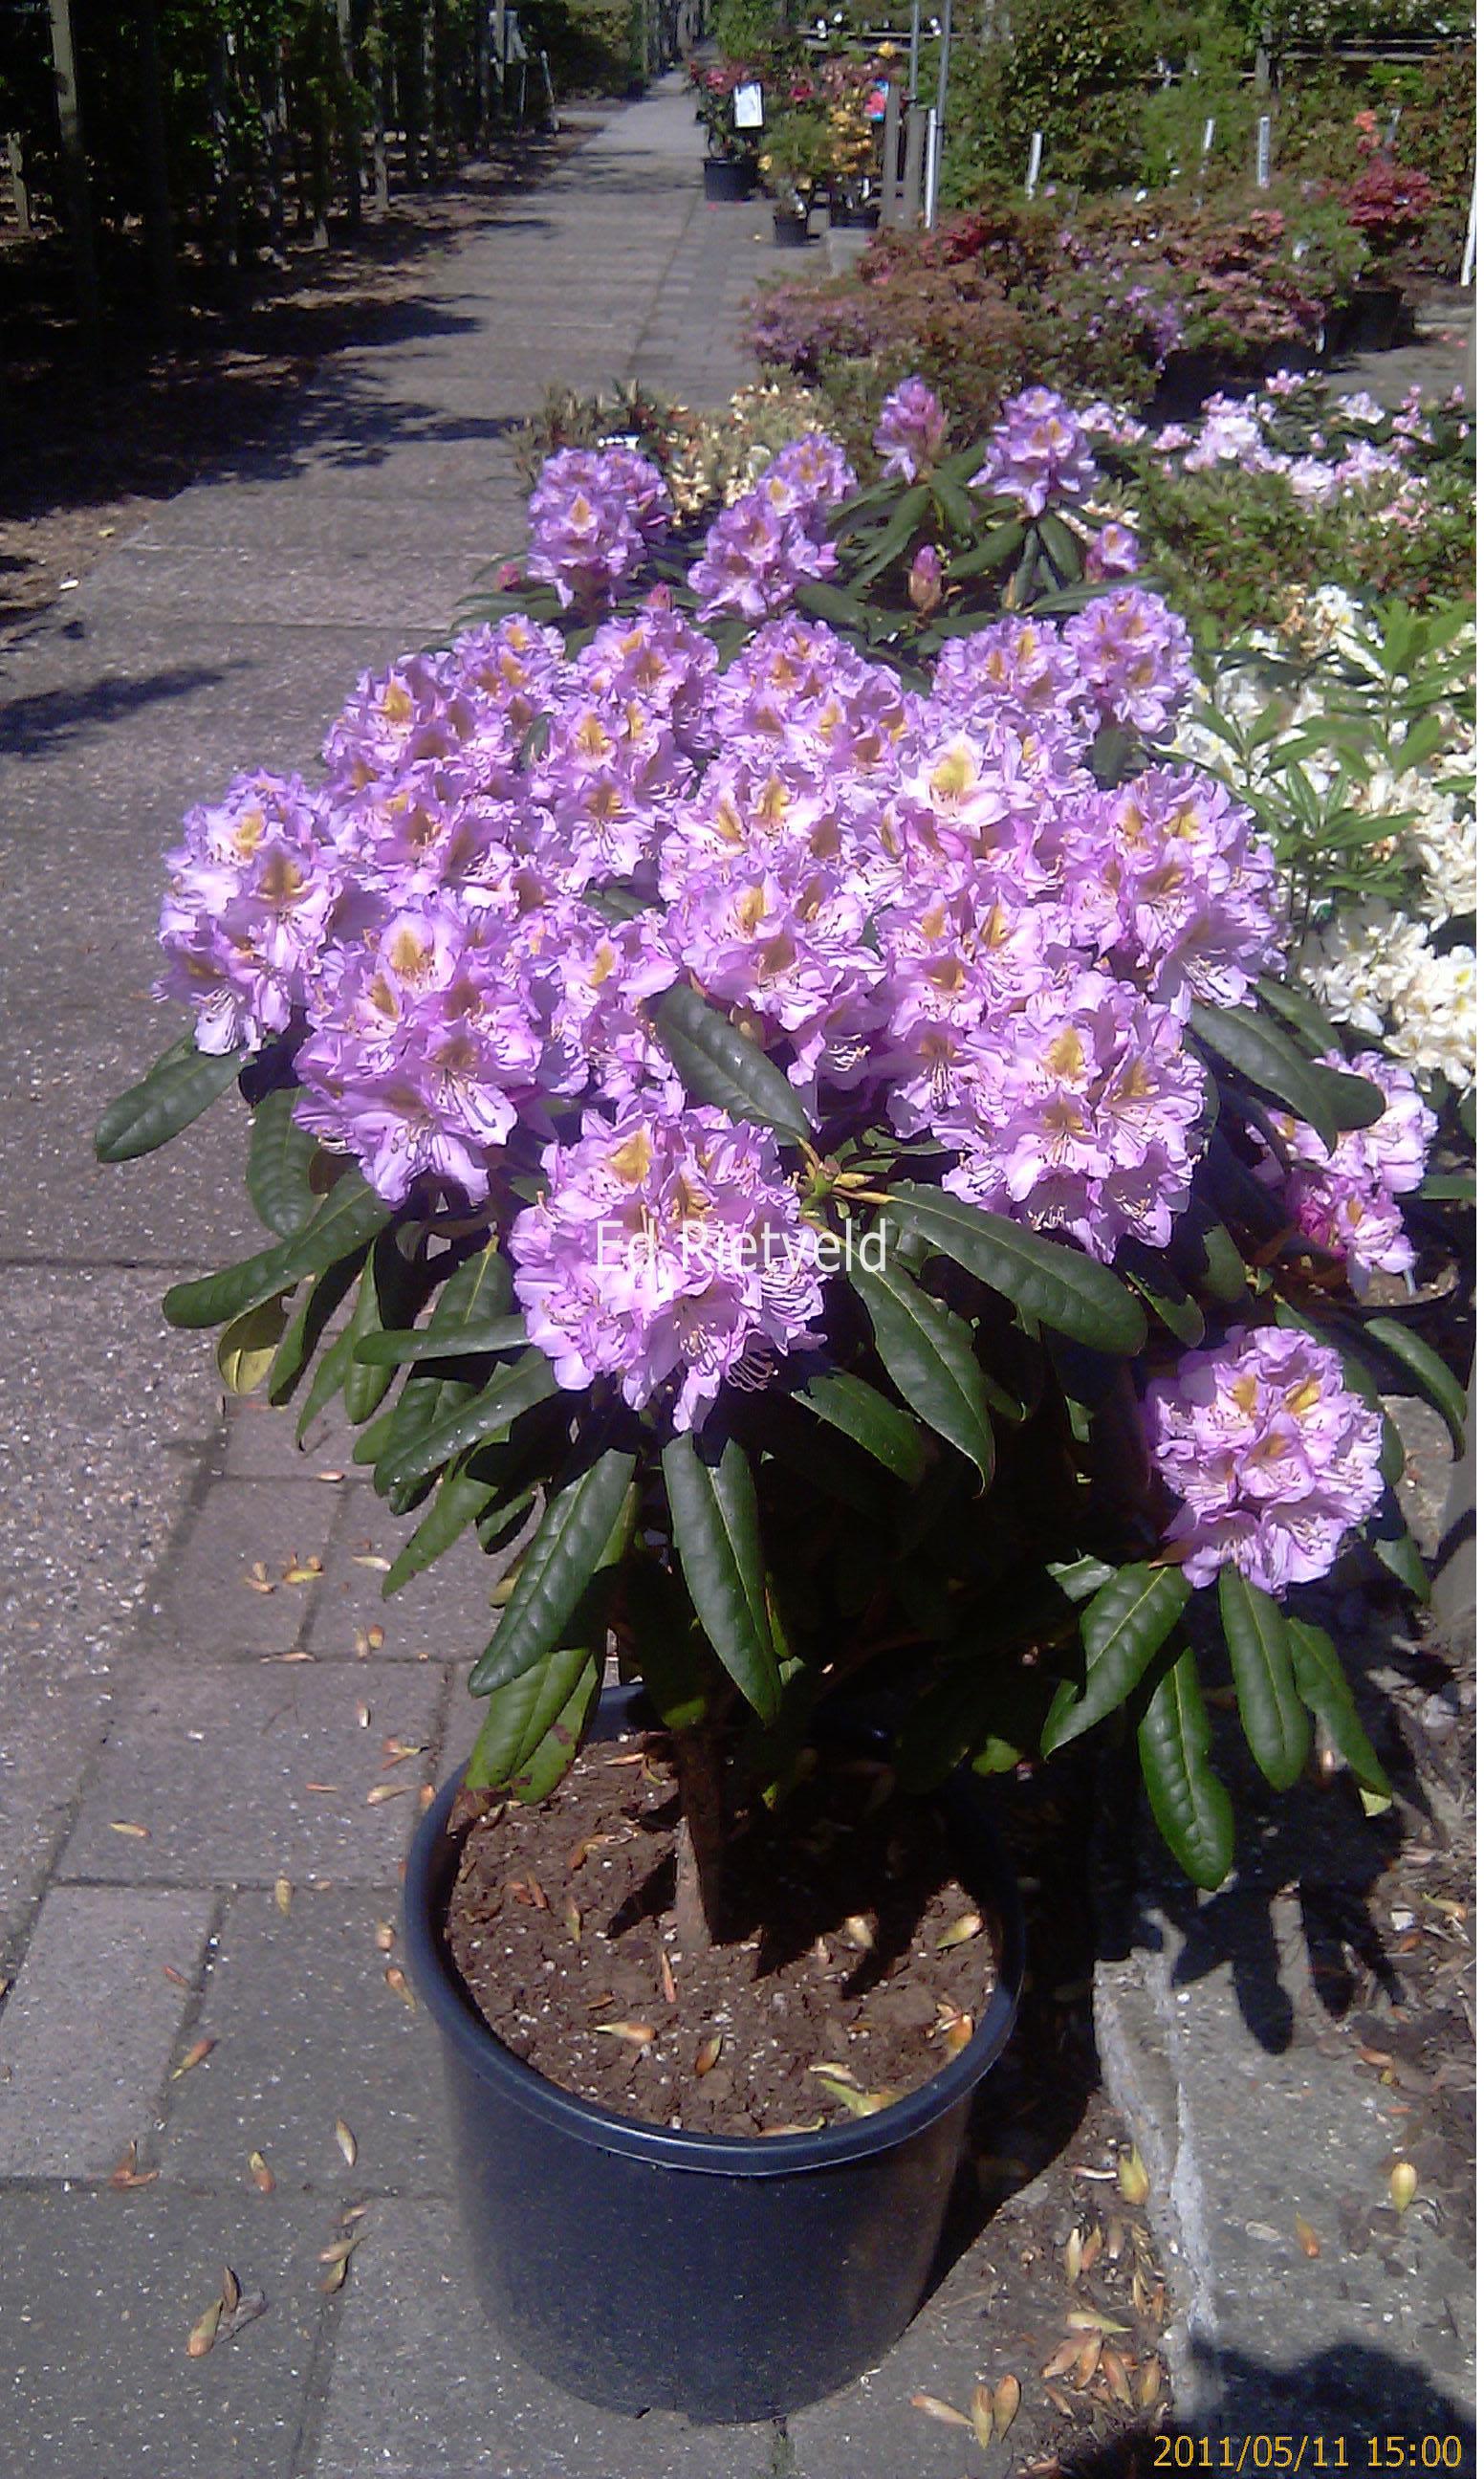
{"points": [[789, 231], [729, 2277], [1370, 322], [726, 180]]}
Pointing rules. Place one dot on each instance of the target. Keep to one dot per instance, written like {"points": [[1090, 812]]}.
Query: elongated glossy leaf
{"points": [[279, 1153], [352, 1215], [1267, 1058], [894, 537], [1190, 1806], [1392, 1542], [1079, 1578], [1354, 1100], [1318, 1674], [714, 1507], [459, 1502], [1204, 1253], [180, 1085], [1256, 1640], [519, 1714], [554, 1758], [996, 550], [1300, 1014], [929, 1356], [860, 1412], [717, 1063], [328, 1379], [1124, 1626], [574, 1543], [413, 1343], [477, 1291], [1153, 1277], [307, 1328], [673, 1657], [828, 602], [1057, 1285], [489, 1412], [1433, 1377], [956, 506], [1061, 548], [249, 1346], [367, 1387]]}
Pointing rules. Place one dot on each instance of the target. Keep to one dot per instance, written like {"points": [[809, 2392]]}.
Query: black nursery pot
{"points": [[789, 231], [726, 180], [729, 2277]]}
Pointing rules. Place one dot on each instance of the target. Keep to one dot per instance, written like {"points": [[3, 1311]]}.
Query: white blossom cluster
{"points": [[1389, 974]]}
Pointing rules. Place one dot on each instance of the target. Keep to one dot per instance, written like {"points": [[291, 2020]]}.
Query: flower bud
{"points": [[925, 580]]}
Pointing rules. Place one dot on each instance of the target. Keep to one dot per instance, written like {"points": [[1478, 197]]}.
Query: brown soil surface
{"points": [[89, 447], [850, 1963]]}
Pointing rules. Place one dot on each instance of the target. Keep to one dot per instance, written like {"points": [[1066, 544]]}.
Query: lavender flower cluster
{"points": [[924, 903], [1343, 1199], [1040, 452], [1272, 1461]]}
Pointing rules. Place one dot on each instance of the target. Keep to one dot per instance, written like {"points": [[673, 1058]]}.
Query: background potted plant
{"points": [[778, 1107], [795, 163]]}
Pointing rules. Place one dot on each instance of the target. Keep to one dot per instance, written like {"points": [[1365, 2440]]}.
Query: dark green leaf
{"points": [[1151, 1274], [548, 1763], [179, 1087], [998, 549], [1448, 1188], [858, 1410], [714, 1507], [1354, 1100], [579, 1536], [1207, 1255], [944, 1724], [1300, 1014], [1256, 1640], [352, 1215], [490, 1412], [1062, 548], [1060, 1286], [958, 509], [828, 602], [894, 537], [1122, 1630], [1393, 1544], [460, 1500], [279, 1153], [1256, 1048], [1318, 1674], [717, 1063], [307, 1327], [519, 1714], [476, 1338], [1191, 1805], [669, 1649], [1434, 1378], [929, 1355]]}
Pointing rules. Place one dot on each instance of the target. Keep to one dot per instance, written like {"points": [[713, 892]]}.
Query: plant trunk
{"points": [[69, 122], [158, 225], [698, 1879]]}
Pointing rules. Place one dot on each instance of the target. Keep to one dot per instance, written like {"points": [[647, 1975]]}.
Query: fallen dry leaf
{"points": [[1006, 2406], [384, 1791], [250, 2305], [1133, 2175], [375, 1635], [1063, 2358], [303, 1570], [203, 2333], [128, 2172], [1147, 2388], [638, 2035], [283, 1894], [1091, 2247], [1307, 2236], [960, 1931], [346, 2141], [396, 1980], [860, 1933], [386, 1936], [136, 1832], [372, 1558], [231, 2291], [336, 2275], [572, 1920], [198, 2050], [1116, 2376], [982, 2416], [1402, 2184], [396, 1752], [666, 1972], [362, 1717], [262, 2177], [258, 1580], [707, 2054], [329, 1790], [1089, 2320], [943, 2412], [1085, 2366], [1061, 2402], [1072, 2257]]}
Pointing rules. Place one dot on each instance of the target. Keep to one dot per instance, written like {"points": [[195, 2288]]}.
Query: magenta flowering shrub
{"points": [[765, 1070]]}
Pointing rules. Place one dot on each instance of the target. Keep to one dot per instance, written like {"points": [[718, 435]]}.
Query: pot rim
{"points": [[731, 2156]]}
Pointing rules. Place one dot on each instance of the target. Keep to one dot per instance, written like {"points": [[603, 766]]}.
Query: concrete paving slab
{"points": [[221, 1764], [89, 2027], [98, 2293], [311, 586], [209, 1602], [307, 2031], [422, 2386], [101, 1414], [443, 1615], [49, 1734]]}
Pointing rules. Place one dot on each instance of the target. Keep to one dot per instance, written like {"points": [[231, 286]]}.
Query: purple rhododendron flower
{"points": [[1037, 452], [1272, 1460], [251, 893], [909, 431], [593, 515], [1345, 1200], [1135, 656], [668, 1252], [1114, 551]]}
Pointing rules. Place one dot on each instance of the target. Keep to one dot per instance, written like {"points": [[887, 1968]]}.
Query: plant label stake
{"points": [[911, 62], [931, 151], [1263, 150], [1032, 172], [1471, 238], [747, 107], [1208, 139]]}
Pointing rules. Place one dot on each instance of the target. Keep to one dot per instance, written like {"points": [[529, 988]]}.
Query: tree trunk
{"points": [[158, 222], [698, 1881], [349, 112], [69, 118]]}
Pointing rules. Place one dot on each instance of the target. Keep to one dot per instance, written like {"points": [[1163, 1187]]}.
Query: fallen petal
{"points": [[1133, 2177], [262, 2177], [960, 1931], [203, 2333], [192, 2057], [1007, 2404], [943, 2412], [346, 2141]]}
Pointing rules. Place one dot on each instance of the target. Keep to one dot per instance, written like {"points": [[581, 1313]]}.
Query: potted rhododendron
{"points": [[779, 1112]]}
